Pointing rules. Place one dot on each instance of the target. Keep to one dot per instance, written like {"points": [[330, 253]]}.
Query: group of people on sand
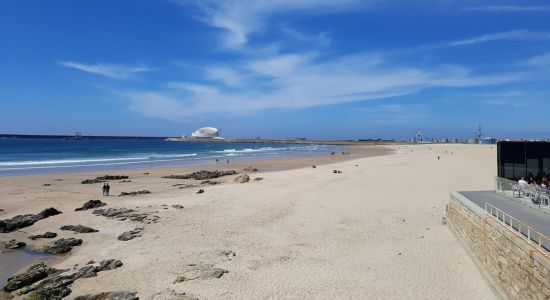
{"points": [[343, 153], [531, 181], [106, 189]]}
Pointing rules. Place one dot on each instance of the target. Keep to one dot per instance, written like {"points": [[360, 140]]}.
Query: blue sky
{"points": [[281, 69]]}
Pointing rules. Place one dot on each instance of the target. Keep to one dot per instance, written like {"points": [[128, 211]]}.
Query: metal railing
{"points": [[528, 195], [529, 234]]}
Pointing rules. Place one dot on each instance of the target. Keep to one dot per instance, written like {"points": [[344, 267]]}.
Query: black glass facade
{"points": [[523, 159]]}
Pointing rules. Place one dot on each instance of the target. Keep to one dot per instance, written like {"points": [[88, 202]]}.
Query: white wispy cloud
{"points": [[113, 71], [510, 8], [539, 61], [304, 80], [507, 35], [240, 18]]}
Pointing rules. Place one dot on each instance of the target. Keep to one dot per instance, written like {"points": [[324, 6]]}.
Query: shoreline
{"points": [[307, 229]]}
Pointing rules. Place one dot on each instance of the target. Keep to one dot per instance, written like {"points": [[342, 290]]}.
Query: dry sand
{"points": [[373, 231]]}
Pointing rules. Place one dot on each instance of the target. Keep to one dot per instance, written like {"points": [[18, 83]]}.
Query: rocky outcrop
{"points": [[242, 178], [22, 221], [14, 244], [177, 206], [62, 246], [200, 191], [201, 272], [123, 295], [91, 204], [78, 228], [46, 235], [58, 286], [130, 234], [134, 193], [100, 179], [33, 274], [123, 214], [211, 182], [250, 169], [203, 175], [258, 179]]}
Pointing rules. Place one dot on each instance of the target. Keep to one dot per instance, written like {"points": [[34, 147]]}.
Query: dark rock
{"points": [[211, 182], [203, 175], [177, 206], [258, 179], [134, 193], [46, 184], [62, 246], [125, 181], [33, 274], [123, 214], [336, 171], [14, 244], [250, 169], [314, 166], [22, 221], [57, 287], [91, 262], [200, 191], [78, 228], [91, 204], [47, 235], [100, 179], [124, 295], [128, 235]]}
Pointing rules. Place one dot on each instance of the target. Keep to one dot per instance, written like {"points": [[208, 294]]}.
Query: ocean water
{"points": [[35, 156]]}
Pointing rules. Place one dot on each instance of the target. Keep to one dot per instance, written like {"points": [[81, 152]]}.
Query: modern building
{"points": [[206, 132], [518, 159]]}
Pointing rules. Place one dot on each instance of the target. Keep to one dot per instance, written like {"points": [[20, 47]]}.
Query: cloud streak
{"points": [[507, 35], [241, 18], [112, 71], [509, 8]]}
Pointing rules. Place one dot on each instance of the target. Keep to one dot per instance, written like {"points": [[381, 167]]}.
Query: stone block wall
{"points": [[520, 270]]}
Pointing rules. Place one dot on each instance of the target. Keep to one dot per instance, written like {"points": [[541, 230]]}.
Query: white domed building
{"points": [[206, 132]]}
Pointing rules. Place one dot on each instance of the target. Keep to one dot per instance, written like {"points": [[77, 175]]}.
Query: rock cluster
{"points": [[121, 295], [203, 175], [14, 244], [46, 235], [130, 234], [35, 273], [78, 228], [134, 193], [58, 286], [62, 246], [258, 179], [91, 204], [22, 221], [104, 178], [123, 214], [177, 206], [242, 178]]}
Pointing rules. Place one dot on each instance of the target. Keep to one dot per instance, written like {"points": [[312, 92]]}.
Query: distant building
{"points": [[206, 132]]}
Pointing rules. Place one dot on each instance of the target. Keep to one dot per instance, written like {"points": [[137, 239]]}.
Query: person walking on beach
{"points": [[107, 189], [104, 189]]}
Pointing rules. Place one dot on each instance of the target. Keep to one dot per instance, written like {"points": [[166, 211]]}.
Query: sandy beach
{"points": [[373, 231]]}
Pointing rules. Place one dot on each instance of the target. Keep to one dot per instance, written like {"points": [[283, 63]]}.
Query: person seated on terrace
{"points": [[522, 182]]}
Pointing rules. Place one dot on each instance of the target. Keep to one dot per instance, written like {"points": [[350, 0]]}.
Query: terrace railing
{"points": [[527, 195], [529, 234]]}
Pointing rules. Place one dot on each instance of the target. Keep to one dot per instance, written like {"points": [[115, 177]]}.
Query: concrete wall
{"points": [[518, 269]]}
